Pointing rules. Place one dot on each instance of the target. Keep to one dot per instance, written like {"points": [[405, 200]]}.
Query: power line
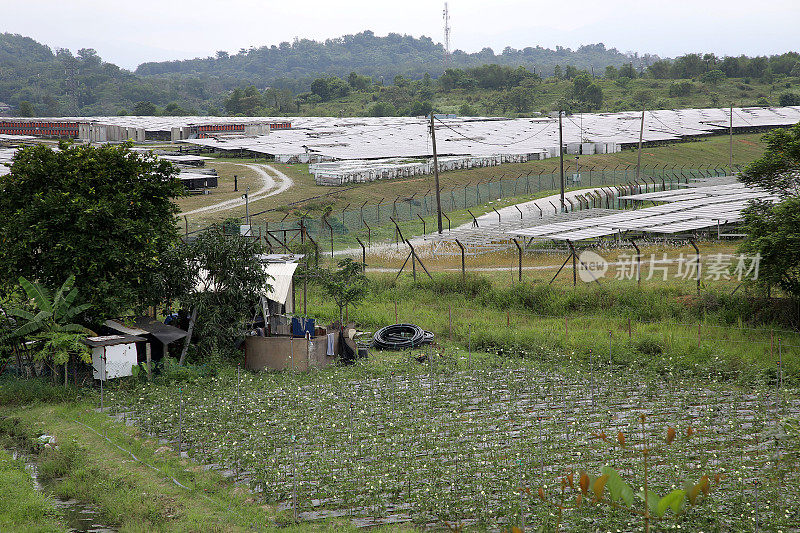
{"points": [[548, 125]]}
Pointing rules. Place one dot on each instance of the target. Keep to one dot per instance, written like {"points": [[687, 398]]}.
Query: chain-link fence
{"points": [[373, 221]]}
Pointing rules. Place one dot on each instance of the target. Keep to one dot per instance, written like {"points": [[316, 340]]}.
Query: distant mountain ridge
{"points": [[371, 55]]}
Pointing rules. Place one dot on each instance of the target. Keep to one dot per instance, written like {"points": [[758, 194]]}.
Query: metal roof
{"points": [[375, 138]]}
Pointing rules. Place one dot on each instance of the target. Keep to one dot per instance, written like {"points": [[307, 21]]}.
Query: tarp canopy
{"points": [[281, 282]]}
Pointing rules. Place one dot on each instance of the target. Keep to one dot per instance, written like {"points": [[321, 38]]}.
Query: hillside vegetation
{"points": [[365, 74]]}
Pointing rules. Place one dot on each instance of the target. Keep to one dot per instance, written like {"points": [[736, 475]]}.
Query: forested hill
{"points": [[60, 83], [378, 57]]}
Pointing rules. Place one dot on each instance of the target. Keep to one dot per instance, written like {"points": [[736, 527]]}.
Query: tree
{"points": [[787, 99], [246, 102], [103, 214], [586, 93], [329, 88], [144, 109], [713, 77], [778, 170], [52, 324], [347, 285], [382, 109], [681, 88], [421, 109], [221, 276], [26, 109], [773, 230]]}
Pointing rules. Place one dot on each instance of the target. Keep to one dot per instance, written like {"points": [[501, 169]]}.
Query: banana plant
{"points": [[51, 323]]}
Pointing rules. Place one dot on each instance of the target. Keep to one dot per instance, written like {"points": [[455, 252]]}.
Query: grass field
{"points": [[710, 151]]}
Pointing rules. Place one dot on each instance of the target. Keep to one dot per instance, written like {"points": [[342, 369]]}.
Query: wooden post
{"points": [[436, 176], [192, 320], [148, 358]]}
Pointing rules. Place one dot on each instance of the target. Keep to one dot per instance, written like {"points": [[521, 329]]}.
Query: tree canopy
{"points": [[104, 215], [778, 170], [773, 230]]}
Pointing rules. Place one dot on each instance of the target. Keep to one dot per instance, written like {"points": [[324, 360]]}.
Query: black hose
{"points": [[401, 337]]}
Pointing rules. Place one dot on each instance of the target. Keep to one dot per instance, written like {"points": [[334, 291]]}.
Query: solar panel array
{"points": [[683, 210], [6, 154], [374, 138], [502, 232]]}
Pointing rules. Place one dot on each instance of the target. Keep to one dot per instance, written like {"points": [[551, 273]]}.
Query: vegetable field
{"points": [[494, 444]]}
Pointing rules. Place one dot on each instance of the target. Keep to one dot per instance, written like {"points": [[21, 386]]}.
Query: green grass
{"points": [[664, 331], [22, 508]]}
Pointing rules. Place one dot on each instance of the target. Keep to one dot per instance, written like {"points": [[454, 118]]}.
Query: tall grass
{"points": [[658, 330]]}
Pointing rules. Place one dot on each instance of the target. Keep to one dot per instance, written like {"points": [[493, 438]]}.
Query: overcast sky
{"points": [[131, 32]]}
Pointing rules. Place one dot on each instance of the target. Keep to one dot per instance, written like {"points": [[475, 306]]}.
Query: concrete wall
{"points": [[286, 353]]}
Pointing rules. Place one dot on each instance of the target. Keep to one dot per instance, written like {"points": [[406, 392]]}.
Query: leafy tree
{"points": [[627, 71], [382, 109], [778, 170], [520, 99], [787, 99], [611, 72], [52, 324], [571, 72], [713, 77], [26, 109], [347, 285], [222, 277], [246, 102], [174, 110], [421, 109], [104, 214], [773, 230], [358, 82], [467, 110], [588, 94], [144, 109], [329, 88], [682, 88]]}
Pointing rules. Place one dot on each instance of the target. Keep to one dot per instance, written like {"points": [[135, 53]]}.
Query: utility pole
{"points": [[639, 156], [436, 176], [561, 158], [730, 155]]}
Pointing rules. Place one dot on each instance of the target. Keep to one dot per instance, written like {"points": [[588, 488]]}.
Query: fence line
{"points": [[361, 220]]}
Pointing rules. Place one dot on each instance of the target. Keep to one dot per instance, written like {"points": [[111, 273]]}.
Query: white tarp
{"points": [[281, 281]]}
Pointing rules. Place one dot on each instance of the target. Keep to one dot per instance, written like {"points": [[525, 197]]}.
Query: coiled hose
{"points": [[401, 337]]}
